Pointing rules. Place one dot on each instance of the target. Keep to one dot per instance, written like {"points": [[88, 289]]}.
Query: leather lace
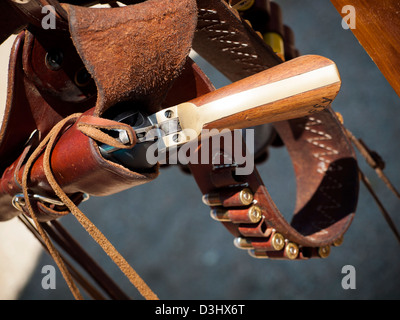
{"points": [[375, 162], [47, 146]]}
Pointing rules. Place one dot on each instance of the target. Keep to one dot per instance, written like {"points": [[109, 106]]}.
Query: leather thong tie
{"points": [[147, 70], [325, 165]]}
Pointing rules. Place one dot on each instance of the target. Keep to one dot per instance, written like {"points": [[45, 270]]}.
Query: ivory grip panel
{"points": [[293, 89]]}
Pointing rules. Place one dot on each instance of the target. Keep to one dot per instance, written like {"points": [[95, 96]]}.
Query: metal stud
{"points": [[168, 114], [54, 59], [82, 77], [176, 137]]}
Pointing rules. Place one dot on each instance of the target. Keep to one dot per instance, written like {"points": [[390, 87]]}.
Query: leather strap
{"points": [[47, 144], [147, 23], [43, 95], [229, 43], [49, 93], [16, 15], [327, 178], [324, 161], [10, 21], [31, 12], [145, 71]]}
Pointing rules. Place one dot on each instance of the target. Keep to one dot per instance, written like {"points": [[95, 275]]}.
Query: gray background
{"points": [[165, 231]]}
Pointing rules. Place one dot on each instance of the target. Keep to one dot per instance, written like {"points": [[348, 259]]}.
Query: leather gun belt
{"points": [[323, 159], [324, 162]]}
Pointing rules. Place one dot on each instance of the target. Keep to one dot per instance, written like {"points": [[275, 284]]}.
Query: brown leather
{"points": [[31, 12], [324, 161], [80, 163], [30, 206], [325, 165], [145, 70], [10, 21], [41, 95], [45, 96], [38, 97], [226, 41], [14, 15]]}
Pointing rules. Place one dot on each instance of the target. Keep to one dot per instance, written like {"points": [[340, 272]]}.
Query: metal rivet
{"points": [[54, 59], [176, 137], [82, 77], [168, 114]]}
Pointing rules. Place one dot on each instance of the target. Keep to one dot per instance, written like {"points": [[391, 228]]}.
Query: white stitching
{"points": [[325, 166], [225, 37], [316, 141]]}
